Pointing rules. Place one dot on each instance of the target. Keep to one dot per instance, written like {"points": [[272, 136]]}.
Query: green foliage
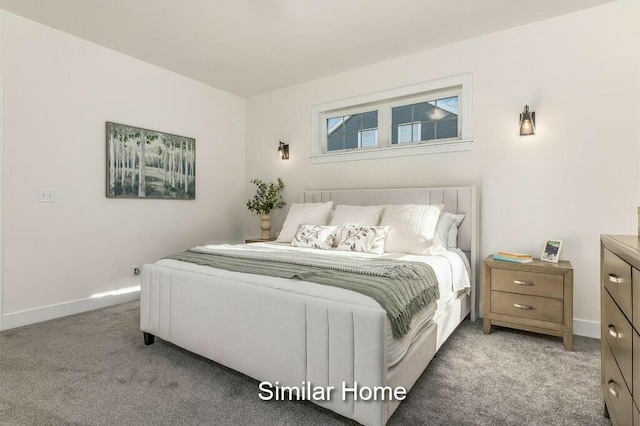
{"points": [[268, 197]]}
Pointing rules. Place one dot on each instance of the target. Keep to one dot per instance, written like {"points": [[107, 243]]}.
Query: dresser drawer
{"points": [[636, 416], [616, 276], [535, 284], [526, 306], [619, 335], [616, 394]]}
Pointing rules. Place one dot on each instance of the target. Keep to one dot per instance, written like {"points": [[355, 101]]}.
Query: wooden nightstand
{"points": [[257, 240], [536, 296]]}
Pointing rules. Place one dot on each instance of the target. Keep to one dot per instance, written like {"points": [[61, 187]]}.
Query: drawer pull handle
{"points": [[518, 282], [614, 332], [525, 307], [612, 389], [614, 279]]}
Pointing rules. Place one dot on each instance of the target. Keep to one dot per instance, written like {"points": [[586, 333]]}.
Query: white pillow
{"points": [[452, 239], [315, 236], [303, 214], [446, 234], [412, 227], [365, 239], [356, 215]]}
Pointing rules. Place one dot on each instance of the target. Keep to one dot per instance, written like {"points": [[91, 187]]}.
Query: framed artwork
{"points": [[143, 163], [551, 252]]}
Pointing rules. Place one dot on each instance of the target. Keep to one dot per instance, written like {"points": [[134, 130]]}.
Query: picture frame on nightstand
{"points": [[551, 252]]}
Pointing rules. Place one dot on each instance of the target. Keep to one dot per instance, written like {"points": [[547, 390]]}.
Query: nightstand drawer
{"points": [[526, 306], [616, 276], [535, 284], [636, 368], [616, 394], [619, 335]]}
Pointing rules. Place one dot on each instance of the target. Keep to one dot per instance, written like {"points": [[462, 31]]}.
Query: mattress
{"points": [[449, 267]]}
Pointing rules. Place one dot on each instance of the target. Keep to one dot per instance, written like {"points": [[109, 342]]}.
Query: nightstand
{"points": [[257, 240], [535, 296]]}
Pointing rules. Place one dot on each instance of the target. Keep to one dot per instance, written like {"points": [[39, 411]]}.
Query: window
{"points": [[421, 119]]}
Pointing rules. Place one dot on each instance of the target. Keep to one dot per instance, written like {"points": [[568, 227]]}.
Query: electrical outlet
{"points": [[135, 270], [46, 195]]}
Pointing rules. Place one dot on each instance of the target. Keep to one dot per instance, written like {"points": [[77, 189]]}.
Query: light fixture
{"points": [[527, 122], [283, 150]]}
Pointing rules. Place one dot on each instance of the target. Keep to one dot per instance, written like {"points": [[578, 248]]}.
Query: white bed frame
{"points": [[289, 338]]}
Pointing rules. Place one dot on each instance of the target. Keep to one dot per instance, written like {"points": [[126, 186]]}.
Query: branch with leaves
{"points": [[268, 197]]}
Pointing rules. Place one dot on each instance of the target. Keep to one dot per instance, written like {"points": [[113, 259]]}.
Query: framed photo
{"points": [[551, 252], [143, 163]]}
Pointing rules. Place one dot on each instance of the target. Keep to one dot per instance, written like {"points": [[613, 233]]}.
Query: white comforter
{"points": [[449, 266]]}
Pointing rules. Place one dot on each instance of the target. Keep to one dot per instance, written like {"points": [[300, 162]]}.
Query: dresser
{"points": [[535, 296], [620, 321]]}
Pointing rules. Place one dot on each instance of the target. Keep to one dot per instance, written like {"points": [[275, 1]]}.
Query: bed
{"points": [[279, 331]]}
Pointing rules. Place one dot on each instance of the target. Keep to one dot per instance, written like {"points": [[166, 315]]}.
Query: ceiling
{"points": [[249, 47]]}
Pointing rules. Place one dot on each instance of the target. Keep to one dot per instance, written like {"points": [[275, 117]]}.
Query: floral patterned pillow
{"points": [[366, 239], [315, 236]]}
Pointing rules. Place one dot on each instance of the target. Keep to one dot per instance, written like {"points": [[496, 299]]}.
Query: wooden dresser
{"points": [[620, 319], [536, 296]]}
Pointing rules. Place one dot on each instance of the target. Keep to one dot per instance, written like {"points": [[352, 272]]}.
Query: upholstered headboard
{"points": [[457, 199]]}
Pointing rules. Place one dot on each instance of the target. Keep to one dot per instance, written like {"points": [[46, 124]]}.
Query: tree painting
{"points": [[145, 163]]}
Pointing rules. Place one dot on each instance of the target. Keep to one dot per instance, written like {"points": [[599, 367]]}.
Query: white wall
{"points": [[574, 180], [59, 91]]}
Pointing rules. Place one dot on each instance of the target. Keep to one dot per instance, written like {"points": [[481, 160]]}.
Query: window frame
{"points": [[383, 102]]}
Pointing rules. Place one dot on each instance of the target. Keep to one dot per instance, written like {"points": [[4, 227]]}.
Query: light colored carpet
{"points": [[93, 369]]}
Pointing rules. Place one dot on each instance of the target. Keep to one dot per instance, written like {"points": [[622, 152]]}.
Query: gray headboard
{"points": [[457, 199]]}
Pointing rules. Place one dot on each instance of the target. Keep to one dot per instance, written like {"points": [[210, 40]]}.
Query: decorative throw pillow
{"points": [[365, 239], [304, 214], [446, 234], [412, 227], [356, 215], [315, 236], [452, 239]]}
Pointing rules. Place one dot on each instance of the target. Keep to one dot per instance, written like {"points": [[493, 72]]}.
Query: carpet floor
{"points": [[93, 369]]}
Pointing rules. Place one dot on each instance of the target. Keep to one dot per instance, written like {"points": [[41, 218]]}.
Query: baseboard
{"points": [[580, 327], [32, 316], [586, 328]]}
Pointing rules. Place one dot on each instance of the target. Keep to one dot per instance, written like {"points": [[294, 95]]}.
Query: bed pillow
{"points": [[356, 215], [365, 239], [452, 239], [412, 227], [315, 236], [303, 214], [446, 234]]}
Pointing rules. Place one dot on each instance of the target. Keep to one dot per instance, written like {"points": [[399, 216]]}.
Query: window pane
{"points": [[368, 138], [335, 143], [351, 140], [425, 121], [403, 134], [352, 131]]}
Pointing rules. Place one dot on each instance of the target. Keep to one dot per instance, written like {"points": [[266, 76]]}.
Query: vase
{"points": [[265, 226]]}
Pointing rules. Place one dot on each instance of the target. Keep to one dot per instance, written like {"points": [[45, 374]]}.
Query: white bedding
{"points": [[449, 267]]}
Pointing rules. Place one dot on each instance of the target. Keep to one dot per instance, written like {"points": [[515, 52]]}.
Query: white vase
{"points": [[265, 226]]}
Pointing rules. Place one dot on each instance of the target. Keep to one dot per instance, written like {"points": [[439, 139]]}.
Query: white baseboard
{"points": [[580, 327], [586, 328], [32, 316]]}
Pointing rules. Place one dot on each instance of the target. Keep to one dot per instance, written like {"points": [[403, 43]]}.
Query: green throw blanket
{"points": [[402, 288]]}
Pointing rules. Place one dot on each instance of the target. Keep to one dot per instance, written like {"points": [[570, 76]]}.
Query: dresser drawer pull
{"points": [[525, 307], [612, 389], [615, 279], [518, 282], [614, 332]]}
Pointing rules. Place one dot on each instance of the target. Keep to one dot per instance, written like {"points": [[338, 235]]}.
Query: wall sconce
{"points": [[527, 122], [283, 151]]}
